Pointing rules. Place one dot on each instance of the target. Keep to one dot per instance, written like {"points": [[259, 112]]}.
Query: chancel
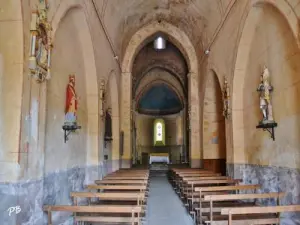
{"points": [[149, 112]]}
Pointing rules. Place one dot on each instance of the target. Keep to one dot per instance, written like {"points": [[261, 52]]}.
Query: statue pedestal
{"points": [[268, 126], [68, 128]]}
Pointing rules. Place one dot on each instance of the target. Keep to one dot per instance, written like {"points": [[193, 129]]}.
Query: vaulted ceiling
{"points": [[199, 19]]}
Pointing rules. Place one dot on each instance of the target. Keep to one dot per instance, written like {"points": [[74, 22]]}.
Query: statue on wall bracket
{"points": [[41, 45], [226, 97], [265, 89], [70, 124]]}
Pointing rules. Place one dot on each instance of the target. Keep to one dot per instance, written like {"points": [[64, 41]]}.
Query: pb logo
{"points": [[16, 209]]}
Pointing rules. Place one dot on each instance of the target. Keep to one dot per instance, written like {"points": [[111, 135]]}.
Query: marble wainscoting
{"points": [[53, 189], [28, 195], [272, 179]]}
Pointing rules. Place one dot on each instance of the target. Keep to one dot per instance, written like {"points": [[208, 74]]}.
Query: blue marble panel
{"points": [[53, 189], [272, 179]]}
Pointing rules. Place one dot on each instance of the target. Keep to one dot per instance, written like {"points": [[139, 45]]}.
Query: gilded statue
{"points": [[40, 51], [265, 89], [226, 112]]}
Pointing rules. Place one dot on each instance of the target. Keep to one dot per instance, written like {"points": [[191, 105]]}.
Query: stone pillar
{"points": [[115, 143], [194, 121], [126, 119]]}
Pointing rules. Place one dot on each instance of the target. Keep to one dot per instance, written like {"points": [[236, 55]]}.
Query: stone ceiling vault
{"points": [[198, 19]]}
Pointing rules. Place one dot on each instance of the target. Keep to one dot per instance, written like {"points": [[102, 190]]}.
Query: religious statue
{"points": [[226, 112], [40, 51], [71, 102], [265, 99]]}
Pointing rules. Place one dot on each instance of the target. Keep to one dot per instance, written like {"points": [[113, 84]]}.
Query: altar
{"points": [[159, 157]]}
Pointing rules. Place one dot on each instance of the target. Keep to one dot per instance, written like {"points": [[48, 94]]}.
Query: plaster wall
{"points": [[273, 45], [251, 154], [66, 60], [11, 80], [214, 145]]}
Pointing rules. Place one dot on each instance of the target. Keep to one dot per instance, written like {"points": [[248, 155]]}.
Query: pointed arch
{"points": [[183, 43]]}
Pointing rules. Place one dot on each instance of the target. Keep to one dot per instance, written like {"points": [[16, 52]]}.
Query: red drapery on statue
{"points": [[71, 100]]}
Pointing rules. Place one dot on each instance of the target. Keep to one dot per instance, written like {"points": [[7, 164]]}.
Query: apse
{"points": [[160, 99]]}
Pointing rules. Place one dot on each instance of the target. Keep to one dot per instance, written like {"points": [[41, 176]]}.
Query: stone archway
{"points": [[182, 42], [237, 155]]}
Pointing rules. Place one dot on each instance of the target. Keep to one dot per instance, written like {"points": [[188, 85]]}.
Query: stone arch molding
{"points": [[90, 73], [114, 99], [165, 78], [183, 43], [242, 58]]}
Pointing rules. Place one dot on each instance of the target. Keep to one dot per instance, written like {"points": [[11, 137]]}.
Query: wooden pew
{"points": [[184, 185], [127, 177], [230, 212], [141, 188], [179, 179], [138, 197], [124, 182], [190, 187], [216, 190], [235, 197], [134, 211]]}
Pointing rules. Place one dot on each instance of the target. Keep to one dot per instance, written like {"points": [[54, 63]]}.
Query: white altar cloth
{"points": [[160, 159]]}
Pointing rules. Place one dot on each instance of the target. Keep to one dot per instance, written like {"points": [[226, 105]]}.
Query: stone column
{"points": [[115, 142], [194, 121], [126, 119]]}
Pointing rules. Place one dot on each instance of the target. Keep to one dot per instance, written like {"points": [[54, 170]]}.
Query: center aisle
{"points": [[164, 206]]}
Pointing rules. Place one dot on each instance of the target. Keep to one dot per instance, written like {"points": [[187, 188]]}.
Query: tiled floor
{"points": [[163, 205]]}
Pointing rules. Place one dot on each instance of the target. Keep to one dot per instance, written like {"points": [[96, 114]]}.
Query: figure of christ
{"points": [[71, 102]]}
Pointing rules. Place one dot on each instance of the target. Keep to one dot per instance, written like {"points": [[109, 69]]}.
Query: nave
{"points": [[141, 197], [92, 90]]}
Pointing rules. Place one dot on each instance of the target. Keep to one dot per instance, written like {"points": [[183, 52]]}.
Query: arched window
{"points": [[159, 132]]}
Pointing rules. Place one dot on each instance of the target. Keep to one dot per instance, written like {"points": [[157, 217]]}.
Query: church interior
{"points": [[150, 112]]}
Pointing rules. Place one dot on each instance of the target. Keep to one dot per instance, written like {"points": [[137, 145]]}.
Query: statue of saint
{"points": [[265, 100], [71, 102], [226, 99], [42, 49]]}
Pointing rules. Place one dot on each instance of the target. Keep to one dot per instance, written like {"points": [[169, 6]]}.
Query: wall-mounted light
{"points": [[159, 43]]}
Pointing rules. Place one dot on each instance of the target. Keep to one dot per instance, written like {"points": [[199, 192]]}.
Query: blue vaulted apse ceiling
{"points": [[160, 99]]}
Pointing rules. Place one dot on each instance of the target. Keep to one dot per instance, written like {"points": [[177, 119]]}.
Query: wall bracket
{"points": [[268, 127], [68, 129]]}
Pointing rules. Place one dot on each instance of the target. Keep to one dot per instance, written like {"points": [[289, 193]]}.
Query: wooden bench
{"points": [[179, 179], [230, 212], [138, 197], [141, 188], [125, 182], [134, 211], [190, 187], [127, 177], [217, 190], [234, 197]]}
